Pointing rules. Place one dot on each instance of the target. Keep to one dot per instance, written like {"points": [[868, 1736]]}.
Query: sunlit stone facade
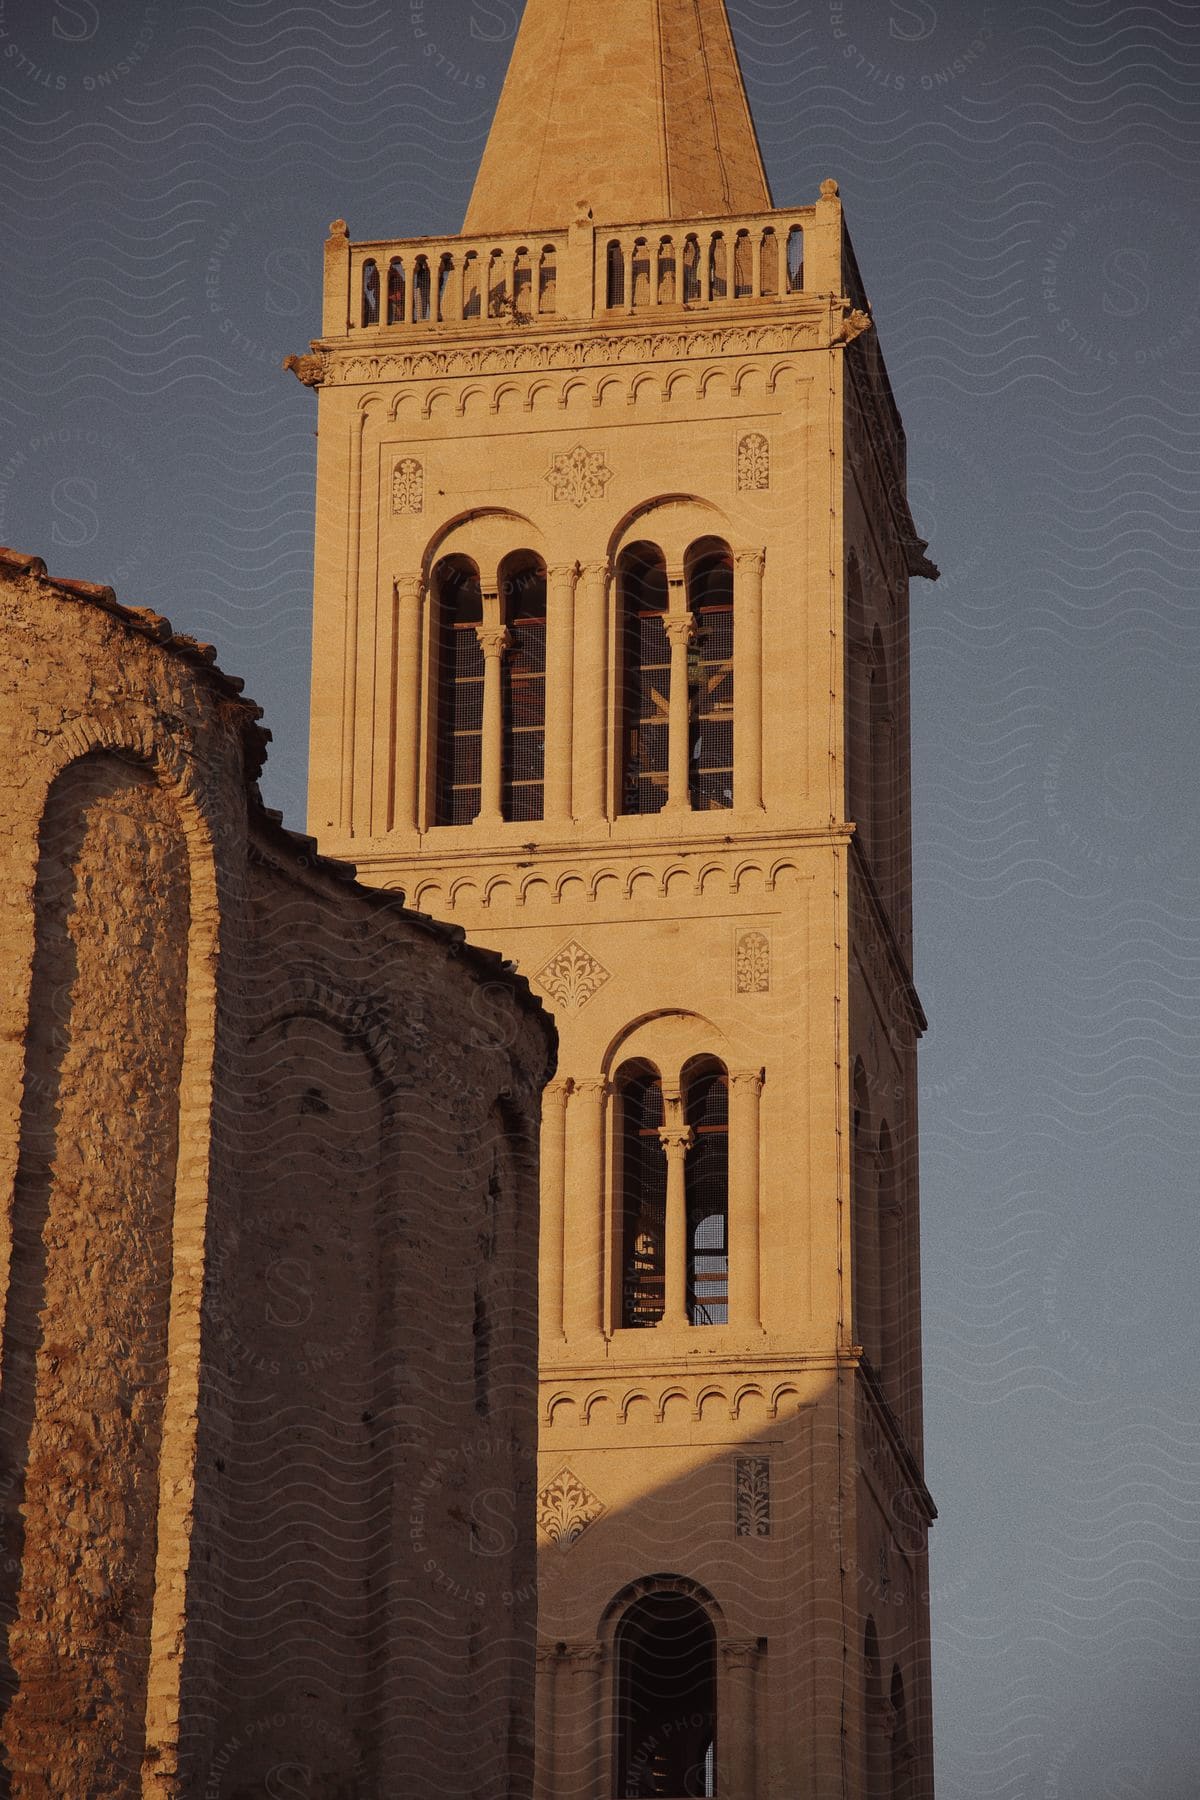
{"points": [[610, 666]]}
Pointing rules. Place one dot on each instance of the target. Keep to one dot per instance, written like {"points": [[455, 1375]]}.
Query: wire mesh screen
{"points": [[525, 720], [644, 1208], [708, 1200], [461, 726], [710, 710], [645, 789]]}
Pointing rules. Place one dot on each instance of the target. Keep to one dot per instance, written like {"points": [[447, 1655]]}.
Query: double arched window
{"points": [[470, 629], [691, 1129], [654, 613]]}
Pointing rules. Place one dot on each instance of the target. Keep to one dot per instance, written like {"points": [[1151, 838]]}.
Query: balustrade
{"points": [[421, 283]]}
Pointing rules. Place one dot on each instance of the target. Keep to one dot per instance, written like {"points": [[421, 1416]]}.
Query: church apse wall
{"points": [[267, 1272]]}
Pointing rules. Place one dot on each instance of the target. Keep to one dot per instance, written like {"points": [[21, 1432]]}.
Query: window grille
{"points": [[710, 684], [708, 1198], [460, 700], [421, 291], [370, 293], [395, 292], [616, 275], [643, 1201], [524, 697], [691, 272]]}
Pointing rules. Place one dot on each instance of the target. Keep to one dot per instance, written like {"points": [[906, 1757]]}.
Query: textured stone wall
{"points": [[268, 1237], [85, 1354]]}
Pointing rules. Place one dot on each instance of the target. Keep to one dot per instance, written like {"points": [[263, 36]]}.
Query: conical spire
{"points": [[635, 107]]}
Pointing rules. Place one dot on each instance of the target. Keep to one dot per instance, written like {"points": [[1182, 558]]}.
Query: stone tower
{"points": [[610, 667]]}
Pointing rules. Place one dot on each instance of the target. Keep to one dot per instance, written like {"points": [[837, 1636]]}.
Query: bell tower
{"points": [[610, 668]]}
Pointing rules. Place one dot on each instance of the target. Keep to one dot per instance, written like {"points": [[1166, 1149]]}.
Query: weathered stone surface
{"points": [[267, 1272]]}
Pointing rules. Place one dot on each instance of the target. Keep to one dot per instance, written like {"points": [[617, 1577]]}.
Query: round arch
{"points": [[668, 1040], [671, 521]]}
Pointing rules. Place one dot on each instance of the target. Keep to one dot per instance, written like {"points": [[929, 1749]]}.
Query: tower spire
{"points": [[636, 107]]}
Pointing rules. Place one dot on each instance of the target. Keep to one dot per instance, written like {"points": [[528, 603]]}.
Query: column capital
{"points": [[749, 1081], [595, 571], [582, 1658], [750, 561], [563, 572], [556, 1091], [591, 1087], [676, 1140], [680, 628], [409, 587], [741, 1653], [494, 640]]}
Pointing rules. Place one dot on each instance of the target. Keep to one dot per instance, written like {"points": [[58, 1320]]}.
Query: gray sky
{"points": [[1021, 184]]}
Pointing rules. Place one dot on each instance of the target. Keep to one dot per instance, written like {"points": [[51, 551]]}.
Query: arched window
{"points": [[883, 786], [422, 291], [370, 292], [548, 280], [641, 273], [522, 285], [795, 260], [858, 702], [616, 274], [770, 262], [891, 1270], [471, 306], [445, 276], [710, 676], [645, 694], [643, 1210], [863, 1245], [523, 690], [706, 1110], [396, 291], [666, 1694], [743, 266], [497, 285], [717, 267], [666, 272], [691, 271], [902, 1749], [875, 1720], [459, 700]]}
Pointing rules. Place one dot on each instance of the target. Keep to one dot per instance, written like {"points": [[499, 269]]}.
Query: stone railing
{"points": [[672, 267]]}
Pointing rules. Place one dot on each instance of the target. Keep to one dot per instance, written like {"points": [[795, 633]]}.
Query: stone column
{"points": [[493, 641], [560, 681], [756, 263], [748, 681], [545, 1786], [583, 1232], [680, 628], [553, 1185], [580, 1726], [676, 1139], [410, 594], [627, 256], [591, 687], [737, 1733], [745, 1086]]}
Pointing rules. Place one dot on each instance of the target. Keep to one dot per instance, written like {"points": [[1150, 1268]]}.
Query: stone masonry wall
{"points": [[268, 1237]]}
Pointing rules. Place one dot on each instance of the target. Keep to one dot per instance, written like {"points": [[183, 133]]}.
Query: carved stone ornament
{"points": [[753, 463], [853, 326], [572, 975], [408, 486], [752, 963], [565, 1509], [752, 1496], [311, 370], [578, 475]]}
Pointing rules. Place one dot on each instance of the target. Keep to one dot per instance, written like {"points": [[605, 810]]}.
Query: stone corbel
{"points": [[916, 561]]}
